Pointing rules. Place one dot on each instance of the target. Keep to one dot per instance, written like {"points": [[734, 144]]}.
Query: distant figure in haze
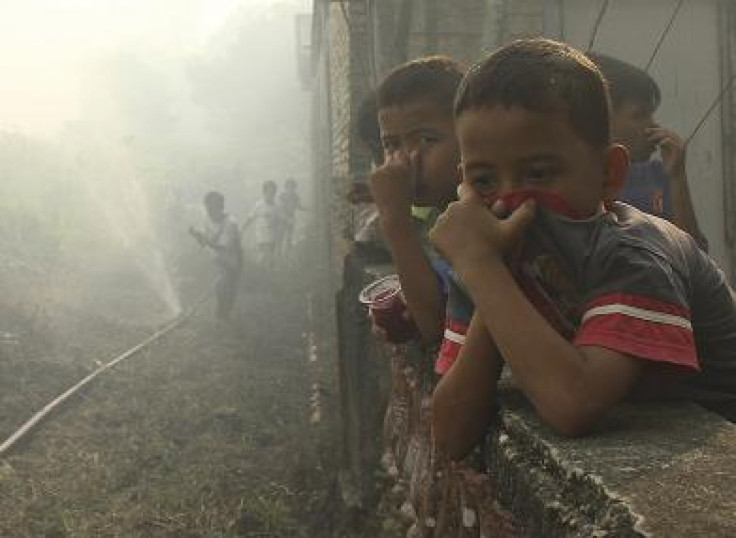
{"points": [[222, 237], [289, 203], [268, 220]]}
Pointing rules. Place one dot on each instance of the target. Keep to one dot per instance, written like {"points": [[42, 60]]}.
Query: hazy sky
{"points": [[46, 46]]}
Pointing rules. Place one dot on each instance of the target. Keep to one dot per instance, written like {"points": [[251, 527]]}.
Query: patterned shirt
{"points": [[636, 284], [626, 281], [459, 310]]}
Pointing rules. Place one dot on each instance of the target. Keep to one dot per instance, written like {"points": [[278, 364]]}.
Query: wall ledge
{"points": [[650, 470]]}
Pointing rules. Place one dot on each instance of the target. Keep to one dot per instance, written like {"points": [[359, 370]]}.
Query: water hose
{"points": [[39, 416]]}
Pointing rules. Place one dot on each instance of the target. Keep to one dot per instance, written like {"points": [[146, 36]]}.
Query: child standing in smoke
{"points": [[268, 220], [222, 237], [289, 203]]}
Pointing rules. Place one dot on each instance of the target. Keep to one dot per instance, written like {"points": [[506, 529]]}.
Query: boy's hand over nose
{"points": [[672, 148], [468, 233], [392, 185]]}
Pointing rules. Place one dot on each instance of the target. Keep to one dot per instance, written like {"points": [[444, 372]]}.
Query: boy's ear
{"points": [[616, 167]]}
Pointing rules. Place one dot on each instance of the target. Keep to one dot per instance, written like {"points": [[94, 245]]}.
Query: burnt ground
{"points": [[210, 432]]}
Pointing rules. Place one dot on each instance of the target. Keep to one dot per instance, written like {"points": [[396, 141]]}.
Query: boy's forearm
{"points": [[520, 333], [463, 403], [419, 282], [568, 389]]}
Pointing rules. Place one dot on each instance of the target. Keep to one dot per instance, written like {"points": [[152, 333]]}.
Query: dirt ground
{"points": [[213, 431]]}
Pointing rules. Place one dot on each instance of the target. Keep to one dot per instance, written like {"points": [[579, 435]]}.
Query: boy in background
{"points": [[267, 219], [658, 187], [289, 203], [414, 104], [586, 299]]}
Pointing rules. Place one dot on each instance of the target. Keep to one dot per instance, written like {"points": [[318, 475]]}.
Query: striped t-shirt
{"points": [[636, 284]]}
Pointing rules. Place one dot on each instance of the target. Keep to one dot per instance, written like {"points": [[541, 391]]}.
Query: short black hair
{"points": [[544, 76], [368, 128], [433, 78], [627, 83], [214, 198]]}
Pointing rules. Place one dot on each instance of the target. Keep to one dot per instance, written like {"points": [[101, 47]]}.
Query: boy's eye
{"points": [[483, 183], [427, 139]]}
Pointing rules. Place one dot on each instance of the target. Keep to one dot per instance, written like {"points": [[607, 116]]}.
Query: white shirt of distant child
{"points": [[226, 234], [267, 218]]}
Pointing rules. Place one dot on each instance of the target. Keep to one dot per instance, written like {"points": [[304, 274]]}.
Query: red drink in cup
{"points": [[388, 309]]}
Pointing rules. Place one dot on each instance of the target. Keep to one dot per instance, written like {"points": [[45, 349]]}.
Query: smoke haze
{"points": [[116, 117]]}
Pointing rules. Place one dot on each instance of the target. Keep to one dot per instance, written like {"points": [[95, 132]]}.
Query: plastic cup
{"points": [[387, 307]]}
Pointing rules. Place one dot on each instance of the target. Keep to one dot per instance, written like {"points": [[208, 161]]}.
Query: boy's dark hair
{"points": [[368, 129], [541, 75], [627, 83], [434, 78], [270, 185], [214, 199]]}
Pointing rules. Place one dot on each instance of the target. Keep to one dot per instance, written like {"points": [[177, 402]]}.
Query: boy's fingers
{"points": [[662, 139], [392, 157], [401, 157], [415, 161], [458, 176], [499, 209], [469, 198], [415, 165], [662, 136], [661, 131], [520, 219], [466, 192], [398, 160]]}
